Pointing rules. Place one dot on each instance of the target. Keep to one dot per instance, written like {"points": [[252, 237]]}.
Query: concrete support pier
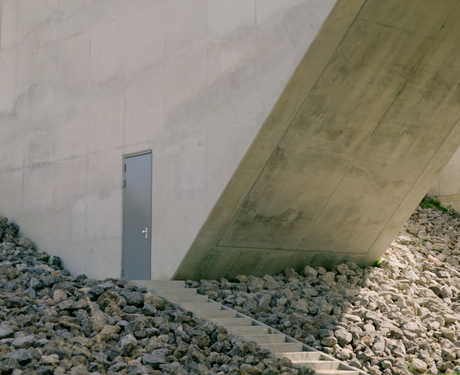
{"points": [[366, 124]]}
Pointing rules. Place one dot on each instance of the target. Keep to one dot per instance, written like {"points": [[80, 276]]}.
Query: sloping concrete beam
{"points": [[365, 125]]}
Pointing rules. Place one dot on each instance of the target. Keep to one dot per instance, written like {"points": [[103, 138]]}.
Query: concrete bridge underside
{"points": [[365, 125]]}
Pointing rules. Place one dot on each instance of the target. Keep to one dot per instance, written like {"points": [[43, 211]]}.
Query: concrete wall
{"points": [[84, 82], [366, 124], [447, 187]]}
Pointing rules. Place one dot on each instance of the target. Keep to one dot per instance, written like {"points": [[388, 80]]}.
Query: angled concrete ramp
{"points": [[369, 119]]}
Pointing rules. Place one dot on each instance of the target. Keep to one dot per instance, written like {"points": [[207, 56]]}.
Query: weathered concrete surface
{"points": [[85, 82], [366, 124], [446, 189]]}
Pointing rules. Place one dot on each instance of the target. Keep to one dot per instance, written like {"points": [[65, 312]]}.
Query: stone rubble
{"points": [[54, 323], [400, 316]]}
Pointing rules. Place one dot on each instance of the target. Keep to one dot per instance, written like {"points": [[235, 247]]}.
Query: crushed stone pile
{"points": [[54, 323], [401, 316]]}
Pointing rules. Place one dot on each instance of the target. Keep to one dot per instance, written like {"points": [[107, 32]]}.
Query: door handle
{"points": [[146, 232]]}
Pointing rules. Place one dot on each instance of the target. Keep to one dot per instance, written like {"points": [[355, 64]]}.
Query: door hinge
{"points": [[124, 183], [125, 167]]}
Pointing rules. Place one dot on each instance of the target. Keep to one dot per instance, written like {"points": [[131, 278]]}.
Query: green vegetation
{"points": [[434, 203], [410, 366], [379, 262]]}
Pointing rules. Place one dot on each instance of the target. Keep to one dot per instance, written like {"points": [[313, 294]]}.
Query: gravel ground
{"points": [[55, 323], [400, 316]]}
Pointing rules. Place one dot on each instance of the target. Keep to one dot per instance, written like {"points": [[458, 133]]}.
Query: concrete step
{"points": [[164, 283], [322, 365], [178, 298], [159, 283], [227, 322], [208, 314], [201, 306], [248, 330], [336, 372], [300, 357], [283, 347], [161, 291], [265, 339]]}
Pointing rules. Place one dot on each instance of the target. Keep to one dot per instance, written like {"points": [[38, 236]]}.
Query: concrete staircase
{"points": [[249, 329]]}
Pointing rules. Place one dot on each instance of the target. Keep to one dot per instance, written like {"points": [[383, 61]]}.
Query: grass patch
{"points": [[410, 366], [434, 203], [379, 262]]}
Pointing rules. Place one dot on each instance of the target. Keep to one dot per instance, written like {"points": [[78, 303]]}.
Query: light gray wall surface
{"points": [[84, 82], [446, 189]]}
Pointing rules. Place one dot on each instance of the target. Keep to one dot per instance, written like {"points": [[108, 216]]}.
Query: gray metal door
{"points": [[137, 216]]}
